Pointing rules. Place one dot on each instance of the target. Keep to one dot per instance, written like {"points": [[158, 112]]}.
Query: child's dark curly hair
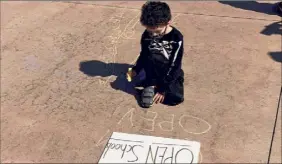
{"points": [[155, 13]]}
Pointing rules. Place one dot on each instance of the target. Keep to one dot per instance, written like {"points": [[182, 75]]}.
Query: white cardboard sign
{"points": [[132, 148]]}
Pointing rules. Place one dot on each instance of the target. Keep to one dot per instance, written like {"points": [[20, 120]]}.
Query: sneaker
{"points": [[147, 97]]}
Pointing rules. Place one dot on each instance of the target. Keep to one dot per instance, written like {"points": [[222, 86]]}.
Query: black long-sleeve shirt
{"points": [[161, 58]]}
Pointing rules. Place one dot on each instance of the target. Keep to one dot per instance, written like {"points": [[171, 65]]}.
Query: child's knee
{"points": [[173, 100], [178, 101]]}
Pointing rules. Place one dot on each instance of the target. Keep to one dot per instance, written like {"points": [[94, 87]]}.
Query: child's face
{"points": [[156, 31]]}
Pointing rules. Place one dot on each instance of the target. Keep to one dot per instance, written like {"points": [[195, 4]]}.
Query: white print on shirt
{"points": [[176, 53], [164, 47]]}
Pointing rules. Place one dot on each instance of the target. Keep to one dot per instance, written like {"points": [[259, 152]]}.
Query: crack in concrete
{"points": [[184, 13], [274, 126]]}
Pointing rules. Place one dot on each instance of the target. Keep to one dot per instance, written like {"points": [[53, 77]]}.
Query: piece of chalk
{"points": [[129, 77]]}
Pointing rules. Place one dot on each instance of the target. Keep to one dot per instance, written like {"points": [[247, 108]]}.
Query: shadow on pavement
{"points": [[274, 28], [98, 68], [267, 8], [277, 56]]}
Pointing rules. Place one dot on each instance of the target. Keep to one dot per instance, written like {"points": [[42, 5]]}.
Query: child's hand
{"points": [[158, 98], [130, 74]]}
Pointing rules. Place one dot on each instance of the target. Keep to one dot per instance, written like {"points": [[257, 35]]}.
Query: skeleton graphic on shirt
{"points": [[161, 47]]}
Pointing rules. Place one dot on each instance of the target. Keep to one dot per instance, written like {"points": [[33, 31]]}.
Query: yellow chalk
{"points": [[128, 75]]}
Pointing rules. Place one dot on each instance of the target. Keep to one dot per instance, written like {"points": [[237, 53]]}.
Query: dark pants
{"points": [[174, 95]]}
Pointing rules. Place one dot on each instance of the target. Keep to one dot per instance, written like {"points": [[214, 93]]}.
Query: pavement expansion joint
{"points": [[184, 13]]}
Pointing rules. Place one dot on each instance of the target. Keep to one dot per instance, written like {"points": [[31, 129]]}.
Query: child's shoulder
{"points": [[176, 33], [145, 33]]}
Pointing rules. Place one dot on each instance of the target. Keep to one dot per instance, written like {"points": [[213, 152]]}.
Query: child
{"points": [[160, 57]]}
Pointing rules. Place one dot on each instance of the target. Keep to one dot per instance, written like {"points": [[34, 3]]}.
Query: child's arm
{"points": [[141, 59], [174, 69]]}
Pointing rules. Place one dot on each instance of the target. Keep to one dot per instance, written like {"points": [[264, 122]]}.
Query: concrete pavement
{"points": [[55, 110]]}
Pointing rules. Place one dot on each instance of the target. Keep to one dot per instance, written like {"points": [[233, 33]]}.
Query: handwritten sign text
{"points": [[131, 148]]}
